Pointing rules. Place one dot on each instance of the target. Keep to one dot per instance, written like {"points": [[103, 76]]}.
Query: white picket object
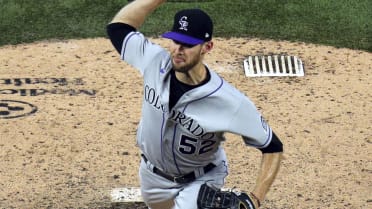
{"points": [[273, 65]]}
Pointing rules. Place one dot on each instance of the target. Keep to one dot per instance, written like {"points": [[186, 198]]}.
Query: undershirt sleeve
{"points": [[117, 32], [274, 146]]}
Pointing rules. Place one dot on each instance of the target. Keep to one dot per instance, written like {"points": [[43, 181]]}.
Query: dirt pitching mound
{"points": [[69, 110]]}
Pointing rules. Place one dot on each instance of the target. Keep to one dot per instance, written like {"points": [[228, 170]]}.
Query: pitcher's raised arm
{"points": [[135, 13]]}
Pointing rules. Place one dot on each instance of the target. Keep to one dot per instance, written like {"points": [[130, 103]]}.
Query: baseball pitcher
{"points": [[186, 110]]}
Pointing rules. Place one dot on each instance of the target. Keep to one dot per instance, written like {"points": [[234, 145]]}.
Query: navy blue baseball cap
{"points": [[191, 26]]}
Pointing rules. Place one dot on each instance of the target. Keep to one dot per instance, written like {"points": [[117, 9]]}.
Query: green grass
{"points": [[340, 23]]}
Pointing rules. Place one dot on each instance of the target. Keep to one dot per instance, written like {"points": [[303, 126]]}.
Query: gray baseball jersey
{"points": [[189, 135]]}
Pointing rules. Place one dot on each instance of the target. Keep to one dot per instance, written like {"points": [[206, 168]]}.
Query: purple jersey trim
{"points": [[268, 140], [161, 138], [218, 88], [174, 153], [126, 39]]}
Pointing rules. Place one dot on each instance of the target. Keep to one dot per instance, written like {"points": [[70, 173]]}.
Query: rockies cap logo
{"points": [[191, 26], [183, 22]]}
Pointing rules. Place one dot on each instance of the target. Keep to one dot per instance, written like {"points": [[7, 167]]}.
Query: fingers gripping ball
{"points": [[209, 198]]}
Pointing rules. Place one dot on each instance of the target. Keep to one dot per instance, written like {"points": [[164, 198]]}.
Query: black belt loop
{"points": [[183, 179]]}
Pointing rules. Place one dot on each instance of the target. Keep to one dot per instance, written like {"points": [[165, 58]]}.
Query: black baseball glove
{"points": [[210, 198]]}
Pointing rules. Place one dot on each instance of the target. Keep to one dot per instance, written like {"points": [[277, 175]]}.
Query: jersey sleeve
{"points": [[138, 51], [249, 123]]}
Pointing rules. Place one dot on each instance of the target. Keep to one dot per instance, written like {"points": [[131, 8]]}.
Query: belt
{"points": [[182, 179]]}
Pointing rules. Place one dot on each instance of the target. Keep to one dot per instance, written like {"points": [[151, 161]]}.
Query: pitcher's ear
{"points": [[207, 47]]}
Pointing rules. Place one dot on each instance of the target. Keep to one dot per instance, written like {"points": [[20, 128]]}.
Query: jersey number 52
{"points": [[192, 146]]}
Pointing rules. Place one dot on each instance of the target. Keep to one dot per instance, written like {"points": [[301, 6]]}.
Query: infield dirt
{"points": [[80, 143]]}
